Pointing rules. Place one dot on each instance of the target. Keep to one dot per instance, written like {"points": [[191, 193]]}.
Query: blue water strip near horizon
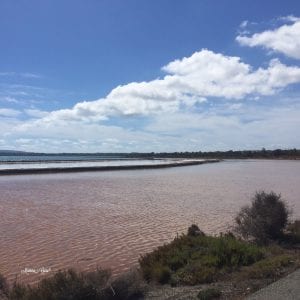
{"points": [[59, 157]]}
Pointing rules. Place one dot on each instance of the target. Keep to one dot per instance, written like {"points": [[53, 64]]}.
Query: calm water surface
{"points": [[109, 219]]}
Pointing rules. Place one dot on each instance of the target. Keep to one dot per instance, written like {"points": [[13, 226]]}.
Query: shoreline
{"points": [[31, 171]]}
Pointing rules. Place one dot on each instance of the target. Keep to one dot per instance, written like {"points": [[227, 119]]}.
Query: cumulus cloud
{"points": [[188, 81], [284, 39]]}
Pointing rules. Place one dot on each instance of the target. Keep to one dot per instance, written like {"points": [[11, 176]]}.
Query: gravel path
{"points": [[287, 288]]}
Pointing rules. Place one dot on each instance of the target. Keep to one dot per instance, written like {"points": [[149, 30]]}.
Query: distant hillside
{"points": [[13, 152]]}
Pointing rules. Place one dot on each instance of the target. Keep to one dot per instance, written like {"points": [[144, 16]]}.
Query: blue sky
{"points": [[137, 75]]}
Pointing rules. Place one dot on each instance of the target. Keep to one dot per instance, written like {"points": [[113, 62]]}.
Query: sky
{"points": [[143, 76]]}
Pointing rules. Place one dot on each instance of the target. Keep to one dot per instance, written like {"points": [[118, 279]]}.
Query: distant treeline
{"points": [[242, 154], [263, 153]]}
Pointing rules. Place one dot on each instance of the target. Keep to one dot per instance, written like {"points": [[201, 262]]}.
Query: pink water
{"points": [[109, 219]]}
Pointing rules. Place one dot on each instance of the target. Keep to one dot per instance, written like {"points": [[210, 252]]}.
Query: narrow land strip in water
{"points": [[69, 169]]}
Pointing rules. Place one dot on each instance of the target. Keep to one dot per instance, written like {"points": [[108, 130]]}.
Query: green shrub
{"points": [[197, 259], [195, 273], [269, 267], [208, 294], [128, 286], [176, 262], [265, 219], [194, 230], [161, 274], [65, 285], [72, 285]]}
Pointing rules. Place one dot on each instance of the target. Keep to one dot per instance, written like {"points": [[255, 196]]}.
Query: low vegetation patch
{"points": [[80, 286], [268, 268], [209, 294], [3, 287], [194, 259]]}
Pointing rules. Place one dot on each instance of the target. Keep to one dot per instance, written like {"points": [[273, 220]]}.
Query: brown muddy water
{"points": [[108, 219]]}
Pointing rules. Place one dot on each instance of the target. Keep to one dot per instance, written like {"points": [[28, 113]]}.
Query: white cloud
{"points": [[30, 75], [251, 128], [189, 81], [244, 24], [242, 30], [289, 18], [79, 137], [216, 128], [236, 106], [36, 113], [25, 74], [285, 39], [9, 99], [9, 113]]}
